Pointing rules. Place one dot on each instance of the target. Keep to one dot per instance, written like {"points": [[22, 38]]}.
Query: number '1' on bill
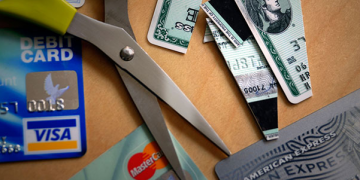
{"points": [[173, 23], [278, 27]]}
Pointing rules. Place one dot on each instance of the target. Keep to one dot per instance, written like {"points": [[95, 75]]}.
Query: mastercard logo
{"points": [[142, 166]]}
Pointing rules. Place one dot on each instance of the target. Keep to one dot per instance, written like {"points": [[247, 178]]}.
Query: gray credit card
{"points": [[323, 145]]}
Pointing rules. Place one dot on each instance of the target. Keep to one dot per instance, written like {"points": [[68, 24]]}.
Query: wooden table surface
{"points": [[332, 31]]}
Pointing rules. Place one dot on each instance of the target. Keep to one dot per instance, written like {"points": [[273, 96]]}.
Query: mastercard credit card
{"points": [[42, 112], [138, 157]]}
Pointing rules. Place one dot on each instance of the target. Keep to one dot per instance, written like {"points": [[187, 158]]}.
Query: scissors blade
{"points": [[116, 13], [146, 103], [111, 40]]}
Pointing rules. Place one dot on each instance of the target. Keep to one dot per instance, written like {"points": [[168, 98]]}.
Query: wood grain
{"points": [[333, 43]]}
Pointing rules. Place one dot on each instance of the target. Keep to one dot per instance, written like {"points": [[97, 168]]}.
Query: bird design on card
{"points": [[171, 177], [52, 90]]}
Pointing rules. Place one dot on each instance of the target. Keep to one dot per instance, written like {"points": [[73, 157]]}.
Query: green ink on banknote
{"points": [[173, 23], [254, 77], [278, 28]]}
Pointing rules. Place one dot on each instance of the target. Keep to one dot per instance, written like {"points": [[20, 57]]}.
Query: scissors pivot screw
{"points": [[127, 53]]}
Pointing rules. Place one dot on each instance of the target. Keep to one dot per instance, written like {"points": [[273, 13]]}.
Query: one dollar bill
{"points": [[208, 37], [173, 23], [277, 26], [254, 77]]}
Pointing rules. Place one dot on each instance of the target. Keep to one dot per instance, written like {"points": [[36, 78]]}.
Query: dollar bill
{"points": [[277, 26], [323, 145], [173, 23], [222, 24], [254, 78], [208, 36]]}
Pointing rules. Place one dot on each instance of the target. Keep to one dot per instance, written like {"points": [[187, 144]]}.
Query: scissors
{"points": [[139, 70], [116, 13]]}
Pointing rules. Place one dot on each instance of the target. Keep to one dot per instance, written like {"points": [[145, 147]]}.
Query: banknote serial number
{"points": [[296, 44], [304, 74], [5, 107], [45, 105], [258, 88], [246, 62]]}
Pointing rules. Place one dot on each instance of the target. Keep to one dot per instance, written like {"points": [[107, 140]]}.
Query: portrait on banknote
{"points": [[271, 16]]}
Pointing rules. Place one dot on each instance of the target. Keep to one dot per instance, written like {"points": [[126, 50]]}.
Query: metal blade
{"points": [[111, 40], [146, 103], [150, 111], [116, 13]]}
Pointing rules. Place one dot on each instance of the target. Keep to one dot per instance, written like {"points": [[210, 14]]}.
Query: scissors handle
{"points": [[55, 15]]}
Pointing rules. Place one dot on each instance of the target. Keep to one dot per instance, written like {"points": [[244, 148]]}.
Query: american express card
{"points": [[138, 157], [323, 145], [42, 112]]}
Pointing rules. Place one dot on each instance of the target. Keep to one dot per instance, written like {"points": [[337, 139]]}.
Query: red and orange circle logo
{"points": [[142, 166]]}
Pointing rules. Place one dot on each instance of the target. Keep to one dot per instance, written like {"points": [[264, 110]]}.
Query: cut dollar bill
{"points": [[226, 15], [208, 37], [173, 23], [278, 28], [254, 77]]}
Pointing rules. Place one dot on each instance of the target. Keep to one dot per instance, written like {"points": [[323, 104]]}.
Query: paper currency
{"points": [[323, 145], [254, 77], [208, 37], [226, 12], [173, 23], [222, 24], [277, 26]]}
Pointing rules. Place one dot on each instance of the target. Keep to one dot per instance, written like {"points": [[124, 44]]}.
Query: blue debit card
{"points": [[42, 111]]}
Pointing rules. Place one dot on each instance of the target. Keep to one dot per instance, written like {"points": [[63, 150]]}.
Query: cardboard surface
{"points": [[333, 41]]}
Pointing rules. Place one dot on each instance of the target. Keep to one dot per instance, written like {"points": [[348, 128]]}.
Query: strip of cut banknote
{"points": [[278, 28], [208, 36], [254, 77], [222, 24]]}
